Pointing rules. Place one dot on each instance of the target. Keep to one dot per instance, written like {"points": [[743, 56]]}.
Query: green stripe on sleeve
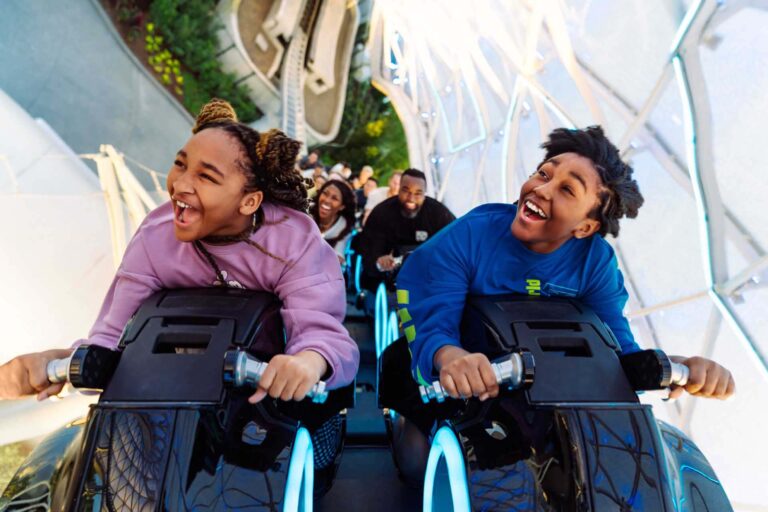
{"points": [[404, 315], [402, 297], [421, 379], [410, 333]]}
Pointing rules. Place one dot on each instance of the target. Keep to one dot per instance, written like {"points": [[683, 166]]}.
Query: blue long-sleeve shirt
{"points": [[478, 255]]}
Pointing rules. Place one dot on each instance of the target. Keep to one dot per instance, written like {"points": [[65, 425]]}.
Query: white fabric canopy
{"points": [[56, 256]]}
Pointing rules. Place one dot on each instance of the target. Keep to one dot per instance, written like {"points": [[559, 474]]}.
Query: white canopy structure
{"points": [[680, 87], [64, 230]]}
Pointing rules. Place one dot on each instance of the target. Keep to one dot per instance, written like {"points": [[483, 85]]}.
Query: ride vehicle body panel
{"points": [[577, 439], [167, 434]]}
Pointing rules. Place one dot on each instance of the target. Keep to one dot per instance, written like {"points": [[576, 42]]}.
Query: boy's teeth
{"points": [[535, 209]]}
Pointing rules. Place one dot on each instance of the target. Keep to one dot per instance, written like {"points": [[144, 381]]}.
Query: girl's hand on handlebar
{"points": [[290, 377], [707, 379], [463, 374], [26, 375]]}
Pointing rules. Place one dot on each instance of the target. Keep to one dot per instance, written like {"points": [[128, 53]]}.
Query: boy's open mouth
{"points": [[531, 211], [184, 214]]}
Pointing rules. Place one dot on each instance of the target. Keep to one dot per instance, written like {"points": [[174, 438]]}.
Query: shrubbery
{"points": [[189, 31], [180, 41]]}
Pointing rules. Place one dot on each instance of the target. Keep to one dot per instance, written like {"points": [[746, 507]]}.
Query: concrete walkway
{"points": [[63, 61]]}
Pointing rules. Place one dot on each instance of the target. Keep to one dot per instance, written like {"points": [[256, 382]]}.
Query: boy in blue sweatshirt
{"points": [[550, 243]]}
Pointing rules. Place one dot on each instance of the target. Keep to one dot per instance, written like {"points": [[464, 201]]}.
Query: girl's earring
{"points": [[253, 221]]}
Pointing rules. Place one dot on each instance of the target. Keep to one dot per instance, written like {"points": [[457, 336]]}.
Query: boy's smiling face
{"points": [[555, 203]]}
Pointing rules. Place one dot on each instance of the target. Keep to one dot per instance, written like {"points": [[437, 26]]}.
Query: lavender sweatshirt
{"points": [[310, 287]]}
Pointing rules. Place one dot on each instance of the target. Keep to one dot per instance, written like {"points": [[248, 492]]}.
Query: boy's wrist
{"points": [[446, 354]]}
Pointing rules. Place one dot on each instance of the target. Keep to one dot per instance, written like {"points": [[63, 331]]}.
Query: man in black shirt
{"points": [[398, 225]]}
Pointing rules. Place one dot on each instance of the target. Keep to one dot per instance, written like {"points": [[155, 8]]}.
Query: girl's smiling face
{"points": [[207, 187]]}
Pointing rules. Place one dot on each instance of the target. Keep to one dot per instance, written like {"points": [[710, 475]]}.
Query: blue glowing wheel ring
{"points": [[358, 269], [300, 483], [392, 329], [381, 319], [446, 444]]}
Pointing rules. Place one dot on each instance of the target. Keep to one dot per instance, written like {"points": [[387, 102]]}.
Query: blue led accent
{"points": [[358, 269], [686, 467], [300, 483], [348, 252], [445, 444], [381, 318], [393, 329]]}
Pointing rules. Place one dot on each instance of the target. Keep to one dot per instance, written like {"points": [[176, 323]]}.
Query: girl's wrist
{"points": [[315, 360]]}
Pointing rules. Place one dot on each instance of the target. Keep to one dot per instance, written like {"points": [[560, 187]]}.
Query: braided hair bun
{"points": [[215, 111], [277, 152]]}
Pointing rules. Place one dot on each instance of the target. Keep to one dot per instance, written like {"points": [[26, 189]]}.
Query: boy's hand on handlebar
{"points": [[463, 374], [26, 375], [707, 379], [290, 377]]}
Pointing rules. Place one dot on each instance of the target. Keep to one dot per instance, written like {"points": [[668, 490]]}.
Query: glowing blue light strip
{"points": [[393, 330], [686, 467], [684, 27], [446, 445], [380, 318], [348, 252], [689, 125], [358, 270], [300, 483]]}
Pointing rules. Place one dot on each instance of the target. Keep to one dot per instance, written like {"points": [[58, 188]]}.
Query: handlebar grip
{"points": [[58, 370], [242, 369], [515, 371], [679, 374]]}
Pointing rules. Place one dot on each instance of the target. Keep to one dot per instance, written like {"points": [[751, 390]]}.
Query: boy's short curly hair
{"points": [[620, 195]]}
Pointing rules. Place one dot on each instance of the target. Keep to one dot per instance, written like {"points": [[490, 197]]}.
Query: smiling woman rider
{"points": [[334, 213], [237, 217]]}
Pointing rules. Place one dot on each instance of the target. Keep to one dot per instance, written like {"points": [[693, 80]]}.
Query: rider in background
{"points": [[549, 243], [334, 213], [237, 218], [397, 226], [381, 194]]}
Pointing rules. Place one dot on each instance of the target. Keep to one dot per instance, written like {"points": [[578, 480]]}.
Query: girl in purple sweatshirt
{"points": [[236, 218]]}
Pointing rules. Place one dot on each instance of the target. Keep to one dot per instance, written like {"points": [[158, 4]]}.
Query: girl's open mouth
{"points": [[184, 214]]}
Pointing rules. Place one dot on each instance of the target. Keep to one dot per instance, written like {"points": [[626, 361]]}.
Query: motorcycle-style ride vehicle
{"points": [[173, 429], [566, 433]]}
